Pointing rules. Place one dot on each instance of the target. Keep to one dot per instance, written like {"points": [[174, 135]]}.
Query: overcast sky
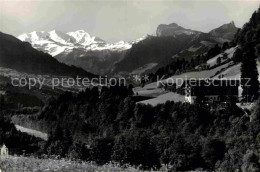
{"points": [[121, 19]]}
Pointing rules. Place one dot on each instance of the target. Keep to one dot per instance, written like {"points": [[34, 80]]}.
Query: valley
{"points": [[93, 54], [156, 120]]}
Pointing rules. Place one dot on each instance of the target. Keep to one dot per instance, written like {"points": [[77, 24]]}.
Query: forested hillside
{"points": [[17, 142], [181, 65], [112, 127], [152, 50]]}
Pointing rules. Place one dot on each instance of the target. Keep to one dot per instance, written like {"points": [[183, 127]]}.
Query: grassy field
{"points": [[31, 164], [170, 96], [32, 132], [227, 70]]}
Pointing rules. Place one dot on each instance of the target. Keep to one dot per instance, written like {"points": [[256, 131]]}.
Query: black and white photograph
{"points": [[129, 86]]}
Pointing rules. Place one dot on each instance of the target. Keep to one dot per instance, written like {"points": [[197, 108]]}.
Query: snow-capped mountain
{"points": [[95, 55], [81, 37], [56, 42], [79, 48]]}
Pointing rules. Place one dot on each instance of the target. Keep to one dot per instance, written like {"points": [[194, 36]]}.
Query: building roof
{"points": [[3, 146]]}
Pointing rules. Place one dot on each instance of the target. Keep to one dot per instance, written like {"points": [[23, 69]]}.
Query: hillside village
{"points": [[227, 69]]}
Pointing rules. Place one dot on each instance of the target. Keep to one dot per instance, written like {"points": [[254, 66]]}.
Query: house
{"points": [[3, 151], [172, 87], [210, 91], [203, 66]]}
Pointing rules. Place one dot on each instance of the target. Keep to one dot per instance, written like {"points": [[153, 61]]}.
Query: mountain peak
{"points": [[33, 36], [226, 31], [172, 30], [81, 31], [173, 25], [229, 25], [55, 31], [56, 42]]}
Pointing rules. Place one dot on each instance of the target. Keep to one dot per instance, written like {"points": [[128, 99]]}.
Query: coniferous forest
{"points": [[111, 127]]}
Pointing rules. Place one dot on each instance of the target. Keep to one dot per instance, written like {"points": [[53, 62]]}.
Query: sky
{"points": [[120, 19]]}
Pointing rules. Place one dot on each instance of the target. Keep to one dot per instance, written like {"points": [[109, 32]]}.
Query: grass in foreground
{"points": [[31, 164]]}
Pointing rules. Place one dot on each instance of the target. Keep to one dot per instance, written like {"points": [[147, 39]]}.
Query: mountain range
{"points": [[79, 48], [22, 57], [57, 42], [172, 41], [145, 54]]}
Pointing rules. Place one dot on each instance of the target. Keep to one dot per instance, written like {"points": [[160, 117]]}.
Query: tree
{"points": [[2, 102], [250, 161], [177, 72], [130, 89], [225, 46], [213, 150], [136, 148], [256, 111], [78, 151], [101, 150], [238, 55], [218, 60], [225, 56], [58, 133], [257, 49], [249, 76]]}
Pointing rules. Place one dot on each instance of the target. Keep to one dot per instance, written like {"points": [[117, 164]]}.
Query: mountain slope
{"points": [[247, 37], [229, 70], [172, 41], [20, 56], [157, 50]]}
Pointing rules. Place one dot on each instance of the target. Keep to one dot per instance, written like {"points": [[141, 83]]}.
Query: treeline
{"points": [[15, 98], [108, 125], [249, 40]]}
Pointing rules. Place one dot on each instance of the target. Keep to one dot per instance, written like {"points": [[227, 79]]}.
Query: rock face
{"points": [[226, 31], [173, 30]]}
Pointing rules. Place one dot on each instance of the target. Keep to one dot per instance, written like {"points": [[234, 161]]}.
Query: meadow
{"points": [[32, 164]]}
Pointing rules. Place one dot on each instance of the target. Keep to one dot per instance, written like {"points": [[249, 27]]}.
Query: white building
{"points": [[210, 90], [3, 151]]}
